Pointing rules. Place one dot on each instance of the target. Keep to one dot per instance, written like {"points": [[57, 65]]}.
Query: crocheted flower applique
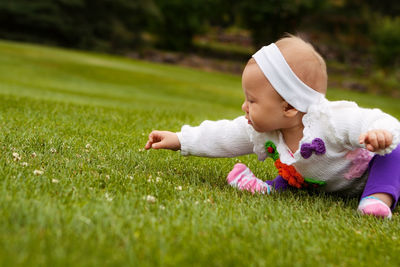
{"points": [[289, 172], [360, 159], [317, 146]]}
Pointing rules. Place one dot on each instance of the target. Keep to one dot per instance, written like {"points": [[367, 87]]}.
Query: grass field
{"points": [[77, 188]]}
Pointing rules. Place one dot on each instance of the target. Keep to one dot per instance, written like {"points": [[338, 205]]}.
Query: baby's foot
{"points": [[242, 178], [374, 206]]}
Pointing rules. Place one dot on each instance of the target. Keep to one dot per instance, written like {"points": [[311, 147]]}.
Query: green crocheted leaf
{"points": [[270, 148], [312, 181]]}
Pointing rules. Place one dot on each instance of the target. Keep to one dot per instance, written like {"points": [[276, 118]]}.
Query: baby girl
{"points": [[333, 146]]}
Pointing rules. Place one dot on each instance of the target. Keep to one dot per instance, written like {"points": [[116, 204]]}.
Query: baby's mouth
{"points": [[248, 120]]}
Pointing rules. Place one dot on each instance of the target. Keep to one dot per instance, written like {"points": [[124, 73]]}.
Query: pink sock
{"points": [[242, 178], [374, 206]]}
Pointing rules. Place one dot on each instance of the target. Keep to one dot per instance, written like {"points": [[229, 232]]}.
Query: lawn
{"points": [[77, 188]]}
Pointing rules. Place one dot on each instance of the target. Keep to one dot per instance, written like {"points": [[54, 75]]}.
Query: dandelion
{"points": [[151, 199], [53, 150], [16, 156], [54, 181], [108, 197], [24, 164], [38, 172]]}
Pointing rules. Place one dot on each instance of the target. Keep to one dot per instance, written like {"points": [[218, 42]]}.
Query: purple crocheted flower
{"points": [[317, 146]]}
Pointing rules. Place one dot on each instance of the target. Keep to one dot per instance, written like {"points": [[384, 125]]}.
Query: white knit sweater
{"points": [[339, 124]]}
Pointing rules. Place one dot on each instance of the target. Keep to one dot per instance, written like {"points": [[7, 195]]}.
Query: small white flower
{"points": [[151, 199], [107, 177], [24, 164], [158, 179], [53, 150], [130, 177], [162, 207], [87, 146], [141, 149], [16, 156], [54, 181], [179, 188], [33, 155], [108, 197], [38, 172]]}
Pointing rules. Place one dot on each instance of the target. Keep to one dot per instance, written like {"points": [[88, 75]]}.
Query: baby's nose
{"points": [[244, 106]]}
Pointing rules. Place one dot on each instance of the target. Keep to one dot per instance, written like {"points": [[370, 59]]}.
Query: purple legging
{"points": [[384, 176]]}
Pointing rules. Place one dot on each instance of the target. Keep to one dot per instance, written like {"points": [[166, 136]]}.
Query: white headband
{"points": [[284, 80]]}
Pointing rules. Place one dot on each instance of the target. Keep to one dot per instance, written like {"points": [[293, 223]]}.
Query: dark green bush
{"points": [[179, 21], [386, 41], [85, 24]]}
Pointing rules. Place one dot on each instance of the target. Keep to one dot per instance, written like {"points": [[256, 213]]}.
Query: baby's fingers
{"points": [[362, 137], [376, 139], [153, 138], [381, 140]]}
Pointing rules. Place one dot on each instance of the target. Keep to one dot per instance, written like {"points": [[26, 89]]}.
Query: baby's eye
{"points": [[251, 101]]}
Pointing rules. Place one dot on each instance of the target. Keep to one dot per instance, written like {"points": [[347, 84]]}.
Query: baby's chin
{"points": [[256, 129], [260, 130]]}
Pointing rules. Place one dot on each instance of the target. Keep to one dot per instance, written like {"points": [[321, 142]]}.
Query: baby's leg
{"points": [[383, 186], [242, 178]]}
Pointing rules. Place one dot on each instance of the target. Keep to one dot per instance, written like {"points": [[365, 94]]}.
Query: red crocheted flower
{"points": [[290, 174]]}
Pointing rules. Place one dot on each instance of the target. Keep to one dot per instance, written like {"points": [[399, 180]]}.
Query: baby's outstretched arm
{"points": [[376, 139], [163, 140]]}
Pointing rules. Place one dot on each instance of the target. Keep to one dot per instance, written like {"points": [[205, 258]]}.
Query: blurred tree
{"points": [[179, 21], [387, 8], [269, 20], [76, 23], [386, 41]]}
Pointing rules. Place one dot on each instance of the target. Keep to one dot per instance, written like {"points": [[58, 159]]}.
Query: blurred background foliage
{"points": [[362, 35]]}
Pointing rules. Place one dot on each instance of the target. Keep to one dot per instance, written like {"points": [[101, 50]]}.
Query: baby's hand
{"points": [[376, 139], [163, 140]]}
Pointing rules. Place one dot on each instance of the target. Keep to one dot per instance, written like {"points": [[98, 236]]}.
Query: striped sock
{"points": [[242, 178], [374, 206]]}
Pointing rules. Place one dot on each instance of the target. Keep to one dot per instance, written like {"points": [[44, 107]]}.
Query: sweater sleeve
{"points": [[224, 138], [352, 121]]}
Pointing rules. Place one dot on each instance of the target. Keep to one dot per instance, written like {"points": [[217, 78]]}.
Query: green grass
{"points": [[87, 116]]}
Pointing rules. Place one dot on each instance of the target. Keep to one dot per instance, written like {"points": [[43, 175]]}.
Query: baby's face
{"points": [[264, 107]]}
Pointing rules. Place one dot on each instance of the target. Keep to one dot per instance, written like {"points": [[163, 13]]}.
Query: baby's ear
{"points": [[289, 110]]}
